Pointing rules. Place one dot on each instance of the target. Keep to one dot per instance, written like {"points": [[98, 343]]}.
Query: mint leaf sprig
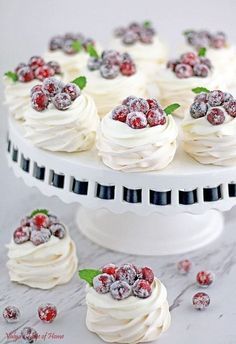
{"points": [[11, 75], [39, 211], [81, 81], [147, 24], [88, 275], [198, 90], [171, 108], [77, 46], [202, 52], [92, 51]]}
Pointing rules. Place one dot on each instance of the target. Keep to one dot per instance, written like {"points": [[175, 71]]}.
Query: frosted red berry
{"points": [[62, 101], [40, 236], [145, 37], [216, 116], [102, 283], [72, 90], [139, 105], [128, 100], [36, 88], [206, 61], [136, 120], [156, 117], [112, 57], [130, 37], [44, 72], [142, 289], [35, 62], [21, 234], [205, 278], [19, 66], [40, 220], [55, 65], [230, 107], [39, 101], [183, 71], [109, 71], [94, 63], [153, 104], [68, 46], [25, 74], [215, 98], [184, 266], [201, 301], [146, 274], [201, 70], [119, 113], [171, 64], [56, 43], [11, 314], [47, 313], [198, 109], [58, 230], [52, 219], [126, 272], [52, 86], [120, 290], [190, 58], [127, 68], [109, 269], [218, 40], [29, 335], [228, 97], [201, 97]]}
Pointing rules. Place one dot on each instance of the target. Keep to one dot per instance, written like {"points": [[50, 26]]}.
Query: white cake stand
{"points": [[167, 212]]}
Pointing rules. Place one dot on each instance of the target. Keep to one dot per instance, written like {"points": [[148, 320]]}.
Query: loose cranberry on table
{"points": [[205, 278], [201, 301], [142, 289], [120, 290], [11, 314], [47, 313], [184, 266], [102, 283]]}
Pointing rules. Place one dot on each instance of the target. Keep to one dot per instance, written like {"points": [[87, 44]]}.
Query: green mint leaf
{"points": [[187, 32], [88, 275], [11, 75], [81, 81], [39, 211], [198, 90], [92, 51], [171, 108], [77, 46], [202, 52], [147, 24]]}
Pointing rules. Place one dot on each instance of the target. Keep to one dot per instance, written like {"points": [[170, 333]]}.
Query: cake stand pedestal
{"points": [[166, 212]]}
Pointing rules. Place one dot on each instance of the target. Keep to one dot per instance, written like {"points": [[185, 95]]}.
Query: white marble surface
{"points": [[215, 325]]}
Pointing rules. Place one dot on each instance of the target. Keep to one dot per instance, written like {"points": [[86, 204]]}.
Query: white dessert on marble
{"points": [[209, 132], [146, 148], [41, 257]]}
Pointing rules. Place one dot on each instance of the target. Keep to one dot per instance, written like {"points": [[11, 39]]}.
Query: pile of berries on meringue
{"points": [[56, 92], [190, 64], [112, 63], [36, 68], [70, 43], [214, 105], [124, 281], [139, 113], [38, 228], [136, 32], [204, 38]]}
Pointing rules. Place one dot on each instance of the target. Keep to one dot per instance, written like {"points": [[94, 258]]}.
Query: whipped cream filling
{"points": [[131, 320], [210, 144], [175, 90], [71, 130], [108, 93], [17, 96], [132, 150], [43, 266]]}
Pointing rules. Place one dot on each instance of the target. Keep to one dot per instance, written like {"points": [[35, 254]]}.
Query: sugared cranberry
{"points": [[39, 101], [145, 37], [205, 278], [120, 290], [172, 64], [52, 219], [40, 236], [26, 221], [216, 116], [35, 62], [21, 234], [109, 269], [190, 58], [25, 74], [136, 120], [146, 274], [119, 113], [184, 266], [127, 68], [55, 65], [142, 289], [139, 105], [20, 65], [201, 301], [52, 86], [215, 98], [228, 97], [201, 70], [230, 107], [56, 43], [72, 90], [153, 104], [218, 40], [119, 31], [201, 97], [130, 37], [29, 335], [109, 71], [127, 272], [94, 63], [68, 46], [62, 101], [40, 220], [183, 71], [58, 230], [102, 283], [198, 109], [206, 62], [11, 314], [44, 72], [36, 88], [112, 57], [156, 117], [128, 100], [47, 313], [135, 27]]}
